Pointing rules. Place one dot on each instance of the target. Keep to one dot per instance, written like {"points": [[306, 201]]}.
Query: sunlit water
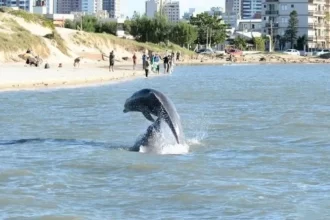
{"points": [[259, 138]]}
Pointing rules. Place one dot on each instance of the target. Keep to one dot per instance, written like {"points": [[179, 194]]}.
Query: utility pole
{"points": [[210, 36], [207, 37], [271, 33], [81, 22]]}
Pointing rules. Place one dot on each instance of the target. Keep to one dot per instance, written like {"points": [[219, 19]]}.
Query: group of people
{"points": [[152, 62]]}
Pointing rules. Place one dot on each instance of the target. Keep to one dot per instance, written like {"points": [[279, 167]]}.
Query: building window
{"points": [[292, 6], [252, 26], [264, 18], [265, 6], [284, 7]]}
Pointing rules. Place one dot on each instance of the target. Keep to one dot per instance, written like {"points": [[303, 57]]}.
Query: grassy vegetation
{"points": [[20, 39], [29, 17], [94, 40], [33, 18], [60, 44]]}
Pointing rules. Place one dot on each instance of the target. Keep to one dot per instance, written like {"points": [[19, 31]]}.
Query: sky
{"points": [[127, 7]]}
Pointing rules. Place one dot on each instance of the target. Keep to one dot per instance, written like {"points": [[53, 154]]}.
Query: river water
{"points": [[259, 138]]}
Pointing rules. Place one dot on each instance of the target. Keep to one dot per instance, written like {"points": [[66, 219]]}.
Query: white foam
{"points": [[166, 149]]}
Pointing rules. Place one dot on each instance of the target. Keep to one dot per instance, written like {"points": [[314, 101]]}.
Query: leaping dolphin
{"points": [[152, 102]]}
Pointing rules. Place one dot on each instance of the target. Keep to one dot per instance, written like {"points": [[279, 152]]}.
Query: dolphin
{"points": [[152, 102]]}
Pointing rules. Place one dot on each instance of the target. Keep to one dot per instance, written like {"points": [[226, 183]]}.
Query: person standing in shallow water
{"points": [[166, 67], [111, 61]]}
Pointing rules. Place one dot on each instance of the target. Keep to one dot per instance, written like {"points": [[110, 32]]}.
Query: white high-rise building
{"points": [[91, 6], [171, 10], [152, 7], [312, 20]]}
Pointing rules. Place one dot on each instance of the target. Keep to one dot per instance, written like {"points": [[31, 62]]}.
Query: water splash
{"points": [[163, 142]]}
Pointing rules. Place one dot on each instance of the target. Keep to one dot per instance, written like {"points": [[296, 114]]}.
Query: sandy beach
{"points": [[19, 77]]}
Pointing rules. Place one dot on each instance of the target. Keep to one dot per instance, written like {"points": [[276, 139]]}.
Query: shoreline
{"points": [[20, 78], [17, 77]]}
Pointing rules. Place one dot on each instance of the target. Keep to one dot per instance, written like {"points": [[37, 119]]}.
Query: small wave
{"points": [[166, 149], [70, 142]]}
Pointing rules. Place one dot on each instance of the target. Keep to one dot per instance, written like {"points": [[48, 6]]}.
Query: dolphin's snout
{"points": [[125, 110]]}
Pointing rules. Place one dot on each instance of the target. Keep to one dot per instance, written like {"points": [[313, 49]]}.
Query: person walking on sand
{"points": [[156, 63], [147, 66], [144, 58], [111, 61], [134, 61]]}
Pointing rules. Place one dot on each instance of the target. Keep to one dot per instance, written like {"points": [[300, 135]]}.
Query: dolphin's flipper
{"points": [[168, 113], [148, 116]]}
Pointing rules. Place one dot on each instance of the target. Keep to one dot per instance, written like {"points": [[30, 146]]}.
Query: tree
{"points": [[259, 43], [301, 42], [127, 26], [292, 29], [240, 43], [208, 25], [183, 33], [106, 27]]}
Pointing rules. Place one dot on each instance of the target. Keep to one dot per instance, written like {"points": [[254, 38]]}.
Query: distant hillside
{"points": [[20, 30]]}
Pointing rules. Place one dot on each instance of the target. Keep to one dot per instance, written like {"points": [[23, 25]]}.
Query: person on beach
{"points": [[111, 61], [166, 64], [134, 61], [147, 66], [144, 58], [177, 55], [156, 63]]}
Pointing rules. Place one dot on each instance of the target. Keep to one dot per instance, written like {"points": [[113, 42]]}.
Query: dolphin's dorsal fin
{"points": [[148, 116]]}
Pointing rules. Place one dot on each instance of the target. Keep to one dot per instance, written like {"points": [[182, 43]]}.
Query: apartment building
{"points": [[21, 4], [233, 6], [152, 7], [311, 16], [113, 7], [171, 10], [67, 6], [91, 6], [251, 9]]}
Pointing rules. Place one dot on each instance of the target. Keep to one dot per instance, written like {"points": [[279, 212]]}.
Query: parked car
{"points": [[234, 52], [320, 52], [292, 52], [205, 51]]}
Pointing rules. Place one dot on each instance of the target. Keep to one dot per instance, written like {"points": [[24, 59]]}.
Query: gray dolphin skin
{"points": [[152, 102]]}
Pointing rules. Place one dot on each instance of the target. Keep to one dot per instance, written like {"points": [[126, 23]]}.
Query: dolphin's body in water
{"points": [[152, 102]]}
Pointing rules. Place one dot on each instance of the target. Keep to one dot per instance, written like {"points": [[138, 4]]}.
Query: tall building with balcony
{"points": [[113, 7], [91, 6], [171, 10], [251, 9], [311, 17]]}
